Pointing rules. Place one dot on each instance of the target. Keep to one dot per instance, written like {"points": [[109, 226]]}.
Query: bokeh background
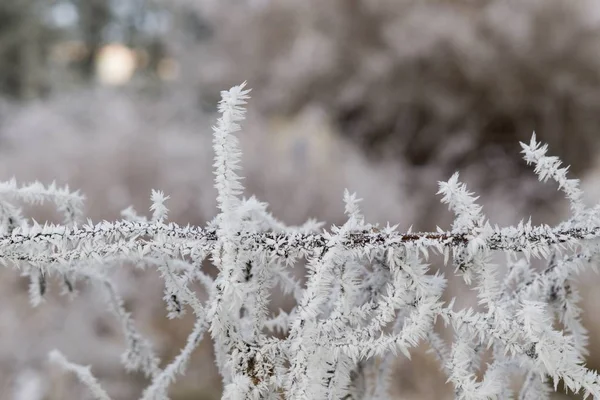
{"points": [[384, 97]]}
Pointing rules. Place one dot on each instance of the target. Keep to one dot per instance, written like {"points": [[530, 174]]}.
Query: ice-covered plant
{"points": [[368, 294]]}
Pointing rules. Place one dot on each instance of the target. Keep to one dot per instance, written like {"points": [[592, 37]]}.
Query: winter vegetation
{"points": [[369, 296]]}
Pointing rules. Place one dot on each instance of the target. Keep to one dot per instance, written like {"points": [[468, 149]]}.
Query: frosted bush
{"points": [[368, 296]]}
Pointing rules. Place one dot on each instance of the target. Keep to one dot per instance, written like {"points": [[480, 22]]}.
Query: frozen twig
{"points": [[369, 292]]}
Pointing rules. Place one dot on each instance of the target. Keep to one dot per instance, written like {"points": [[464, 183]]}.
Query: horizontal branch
{"points": [[124, 237]]}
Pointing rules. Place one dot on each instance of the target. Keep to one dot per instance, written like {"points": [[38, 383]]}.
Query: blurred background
{"points": [[384, 97]]}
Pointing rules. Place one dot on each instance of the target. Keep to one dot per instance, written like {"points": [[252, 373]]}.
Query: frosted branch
{"points": [[369, 293], [83, 373]]}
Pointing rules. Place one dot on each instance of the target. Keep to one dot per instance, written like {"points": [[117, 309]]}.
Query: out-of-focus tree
{"points": [[444, 83], [94, 16], [56, 45], [24, 42]]}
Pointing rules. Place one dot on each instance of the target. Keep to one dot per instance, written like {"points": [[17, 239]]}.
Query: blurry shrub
{"points": [[446, 83]]}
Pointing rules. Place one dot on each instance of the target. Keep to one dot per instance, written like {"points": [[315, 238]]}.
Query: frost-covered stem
{"points": [[462, 203], [37, 286], [369, 292], [139, 354], [440, 350], [160, 383], [462, 366], [227, 152], [304, 330], [83, 373], [535, 387], [381, 378], [176, 287], [532, 240], [10, 217], [553, 286], [549, 167], [70, 204], [543, 348], [229, 290], [158, 208], [555, 354]]}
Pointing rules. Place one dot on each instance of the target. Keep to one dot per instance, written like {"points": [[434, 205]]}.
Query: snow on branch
{"points": [[369, 297], [549, 167], [70, 204], [82, 372]]}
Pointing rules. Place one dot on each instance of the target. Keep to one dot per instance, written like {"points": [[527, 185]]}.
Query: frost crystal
{"points": [[369, 294]]}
